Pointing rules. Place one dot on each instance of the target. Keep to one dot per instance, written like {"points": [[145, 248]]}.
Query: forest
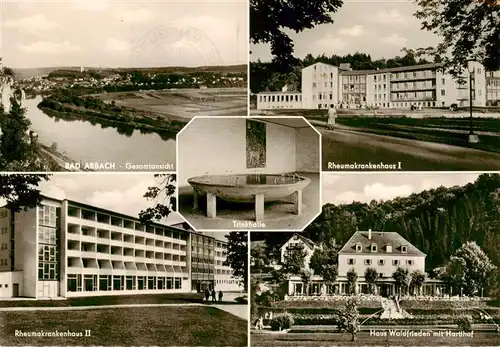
{"points": [[266, 76], [437, 221]]}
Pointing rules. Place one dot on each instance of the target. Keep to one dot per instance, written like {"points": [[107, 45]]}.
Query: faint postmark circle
{"points": [[175, 39]]}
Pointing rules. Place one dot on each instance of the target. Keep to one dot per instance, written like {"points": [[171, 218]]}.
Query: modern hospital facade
{"points": [[426, 85], [65, 248]]}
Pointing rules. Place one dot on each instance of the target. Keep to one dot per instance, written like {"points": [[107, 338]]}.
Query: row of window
{"points": [[47, 235], [48, 271], [325, 85], [4, 213], [226, 281], [4, 246], [4, 262], [414, 96], [47, 253], [378, 78], [354, 88], [47, 216], [94, 283], [354, 79], [211, 271], [414, 74], [408, 104], [202, 260], [6, 285], [4, 230], [373, 248], [381, 262], [279, 98], [493, 83]]}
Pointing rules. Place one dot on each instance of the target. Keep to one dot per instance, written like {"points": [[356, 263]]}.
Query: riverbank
{"points": [[59, 160], [126, 123]]}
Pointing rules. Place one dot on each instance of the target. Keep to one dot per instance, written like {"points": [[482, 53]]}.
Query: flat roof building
{"points": [[424, 85], [65, 248]]}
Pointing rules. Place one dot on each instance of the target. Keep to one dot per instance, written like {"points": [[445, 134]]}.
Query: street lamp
{"points": [[473, 138]]}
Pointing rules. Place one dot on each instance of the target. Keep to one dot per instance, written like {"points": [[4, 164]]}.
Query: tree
{"points": [[21, 191], [305, 277], [15, 150], [352, 280], [293, 260], [469, 30], [254, 287], [237, 255], [163, 196], [469, 268], [371, 276], [269, 19], [322, 257], [417, 279], [349, 317], [401, 278], [330, 273]]}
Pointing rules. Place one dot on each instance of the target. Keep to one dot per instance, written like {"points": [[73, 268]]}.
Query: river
{"points": [[87, 143]]}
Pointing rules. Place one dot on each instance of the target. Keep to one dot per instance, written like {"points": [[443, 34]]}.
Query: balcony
{"points": [[410, 77]]}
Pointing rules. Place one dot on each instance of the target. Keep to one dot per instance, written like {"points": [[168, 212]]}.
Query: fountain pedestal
{"points": [[297, 202], [211, 205], [259, 207]]}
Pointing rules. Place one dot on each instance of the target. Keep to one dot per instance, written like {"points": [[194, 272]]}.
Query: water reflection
{"points": [[89, 140]]}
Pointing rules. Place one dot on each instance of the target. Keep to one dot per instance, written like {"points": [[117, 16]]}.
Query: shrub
{"points": [[241, 300], [464, 323], [282, 321]]}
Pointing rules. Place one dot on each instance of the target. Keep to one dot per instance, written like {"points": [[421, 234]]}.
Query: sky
{"points": [[126, 33], [378, 28], [121, 193], [117, 192], [365, 187]]}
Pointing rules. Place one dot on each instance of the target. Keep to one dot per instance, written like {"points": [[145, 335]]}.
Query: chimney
{"points": [[369, 234]]}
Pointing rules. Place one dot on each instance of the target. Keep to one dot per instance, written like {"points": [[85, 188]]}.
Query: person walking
{"points": [[332, 114], [214, 295], [207, 294], [220, 295]]}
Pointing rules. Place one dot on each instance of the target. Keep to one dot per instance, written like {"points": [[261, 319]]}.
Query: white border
{"points": [[320, 181]]}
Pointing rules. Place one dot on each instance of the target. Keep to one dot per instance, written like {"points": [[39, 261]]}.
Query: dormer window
{"points": [[404, 249], [359, 247], [388, 248], [373, 247]]}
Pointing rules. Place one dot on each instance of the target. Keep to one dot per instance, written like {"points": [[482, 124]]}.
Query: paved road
{"points": [[342, 146]]}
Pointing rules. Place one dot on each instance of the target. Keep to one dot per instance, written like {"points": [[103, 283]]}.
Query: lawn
{"points": [[181, 298], [161, 326], [364, 339]]}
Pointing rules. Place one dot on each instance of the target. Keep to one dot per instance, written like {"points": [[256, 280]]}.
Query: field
{"points": [[183, 104], [165, 326]]}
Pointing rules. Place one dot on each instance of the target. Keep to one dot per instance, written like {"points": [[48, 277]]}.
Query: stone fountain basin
{"points": [[244, 187]]}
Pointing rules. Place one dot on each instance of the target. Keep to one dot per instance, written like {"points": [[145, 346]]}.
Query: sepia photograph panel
{"points": [[393, 259], [106, 85], [252, 173], [391, 85], [104, 259]]}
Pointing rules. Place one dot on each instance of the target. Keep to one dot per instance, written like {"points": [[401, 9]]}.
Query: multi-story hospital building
{"points": [[426, 85], [65, 248]]}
